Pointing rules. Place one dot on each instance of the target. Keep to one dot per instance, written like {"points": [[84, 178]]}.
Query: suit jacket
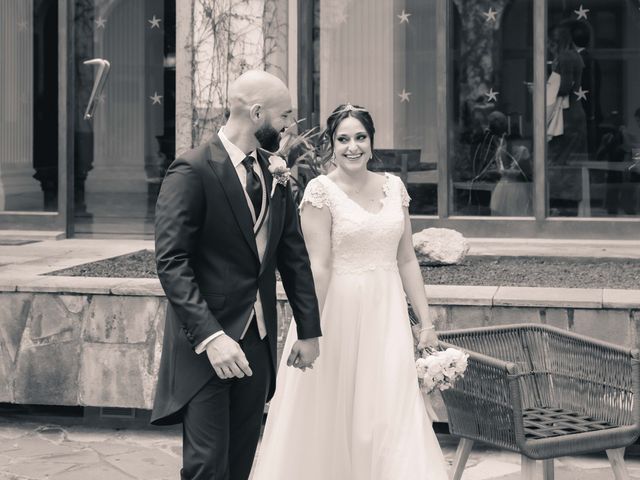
{"points": [[209, 268]]}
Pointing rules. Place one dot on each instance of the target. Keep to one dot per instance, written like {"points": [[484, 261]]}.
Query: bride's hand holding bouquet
{"points": [[439, 369]]}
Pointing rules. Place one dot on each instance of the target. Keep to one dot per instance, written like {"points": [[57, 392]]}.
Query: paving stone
{"points": [[107, 449], [87, 435], [41, 469], [35, 448], [80, 457], [146, 463], [10, 431], [102, 471], [113, 319], [490, 469]]}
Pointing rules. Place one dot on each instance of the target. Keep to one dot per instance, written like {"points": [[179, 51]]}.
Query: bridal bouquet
{"points": [[438, 369]]}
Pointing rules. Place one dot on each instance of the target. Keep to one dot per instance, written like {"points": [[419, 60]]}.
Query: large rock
{"points": [[440, 246]]}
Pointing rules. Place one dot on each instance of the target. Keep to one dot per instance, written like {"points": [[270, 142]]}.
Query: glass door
{"points": [[124, 139], [29, 118]]}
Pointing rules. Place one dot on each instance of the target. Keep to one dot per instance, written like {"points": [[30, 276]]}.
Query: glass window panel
{"points": [[381, 54], [593, 152], [123, 151], [491, 144], [29, 105]]}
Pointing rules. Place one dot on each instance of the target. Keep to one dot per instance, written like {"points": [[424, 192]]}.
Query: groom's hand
{"points": [[227, 358], [304, 353]]}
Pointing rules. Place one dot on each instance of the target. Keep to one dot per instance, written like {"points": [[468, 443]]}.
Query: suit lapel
{"points": [[223, 169], [273, 204]]}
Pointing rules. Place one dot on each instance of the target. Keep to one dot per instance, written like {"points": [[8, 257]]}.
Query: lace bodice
{"points": [[361, 240]]}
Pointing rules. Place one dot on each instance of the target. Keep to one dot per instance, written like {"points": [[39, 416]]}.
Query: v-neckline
{"points": [[385, 195]]}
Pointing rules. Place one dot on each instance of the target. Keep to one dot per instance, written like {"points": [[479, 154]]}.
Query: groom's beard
{"points": [[268, 137]]}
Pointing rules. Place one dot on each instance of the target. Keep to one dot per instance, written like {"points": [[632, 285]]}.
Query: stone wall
{"points": [[103, 349], [97, 350]]}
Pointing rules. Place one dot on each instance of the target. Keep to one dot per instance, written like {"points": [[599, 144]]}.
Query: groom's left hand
{"points": [[304, 353]]}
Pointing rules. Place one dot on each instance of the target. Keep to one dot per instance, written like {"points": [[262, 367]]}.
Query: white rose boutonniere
{"points": [[281, 173]]}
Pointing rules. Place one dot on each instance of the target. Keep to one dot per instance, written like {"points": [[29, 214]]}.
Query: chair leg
{"points": [[462, 455], [530, 469], [547, 469], [616, 459]]}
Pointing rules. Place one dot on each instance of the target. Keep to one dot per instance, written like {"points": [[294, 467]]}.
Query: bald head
{"points": [[256, 87], [260, 109]]}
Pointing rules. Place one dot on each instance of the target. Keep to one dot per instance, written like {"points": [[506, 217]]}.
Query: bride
{"points": [[359, 414]]}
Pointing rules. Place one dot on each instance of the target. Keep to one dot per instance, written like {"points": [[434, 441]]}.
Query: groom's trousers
{"points": [[222, 422]]}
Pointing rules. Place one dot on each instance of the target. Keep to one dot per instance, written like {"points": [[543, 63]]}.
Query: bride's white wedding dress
{"points": [[359, 414]]}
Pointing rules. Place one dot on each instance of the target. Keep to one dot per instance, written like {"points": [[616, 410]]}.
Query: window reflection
{"points": [[29, 105], [591, 158], [491, 150], [381, 54]]}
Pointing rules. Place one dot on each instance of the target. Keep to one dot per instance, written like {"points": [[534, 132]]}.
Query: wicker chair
{"points": [[544, 393]]}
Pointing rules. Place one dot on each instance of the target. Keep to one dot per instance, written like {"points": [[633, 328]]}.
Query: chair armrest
{"points": [[485, 405]]}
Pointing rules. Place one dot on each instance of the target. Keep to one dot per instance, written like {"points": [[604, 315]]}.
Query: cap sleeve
{"points": [[315, 193], [404, 195]]}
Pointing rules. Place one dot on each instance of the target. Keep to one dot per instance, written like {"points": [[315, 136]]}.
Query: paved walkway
{"points": [[52, 452]]}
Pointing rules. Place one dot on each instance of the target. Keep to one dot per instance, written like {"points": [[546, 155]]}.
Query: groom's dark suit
{"points": [[210, 270]]}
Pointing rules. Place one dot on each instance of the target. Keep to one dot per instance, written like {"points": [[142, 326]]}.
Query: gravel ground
{"points": [[139, 264], [502, 271], [538, 272]]}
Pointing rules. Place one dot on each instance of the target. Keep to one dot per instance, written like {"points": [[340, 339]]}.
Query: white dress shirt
{"points": [[237, 156]]}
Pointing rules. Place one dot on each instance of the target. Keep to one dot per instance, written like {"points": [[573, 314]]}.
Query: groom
{"points": [[220, 234]]}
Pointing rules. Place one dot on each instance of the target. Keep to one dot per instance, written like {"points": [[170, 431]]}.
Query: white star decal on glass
{"points": [[582, 12], [341, 17], [155, 22], [156, 99], [404, 96], [404, 17], [100, 22], [490, 15], [582, 94], [22, 25], [492, 96]]}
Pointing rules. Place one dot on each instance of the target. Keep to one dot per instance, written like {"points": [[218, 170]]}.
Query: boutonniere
{"points": [[280, 172]]}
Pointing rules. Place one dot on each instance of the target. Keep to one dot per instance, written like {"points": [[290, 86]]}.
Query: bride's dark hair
{"points": [[347, 110]]}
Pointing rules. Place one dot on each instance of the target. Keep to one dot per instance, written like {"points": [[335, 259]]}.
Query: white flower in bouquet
{"points": [[440, 369]]}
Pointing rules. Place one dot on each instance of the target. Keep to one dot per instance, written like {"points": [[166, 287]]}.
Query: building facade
{"points": [[503, 117]]}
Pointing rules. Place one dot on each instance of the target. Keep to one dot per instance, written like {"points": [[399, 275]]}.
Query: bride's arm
{"points": [[316, 228], [413, 282]]}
